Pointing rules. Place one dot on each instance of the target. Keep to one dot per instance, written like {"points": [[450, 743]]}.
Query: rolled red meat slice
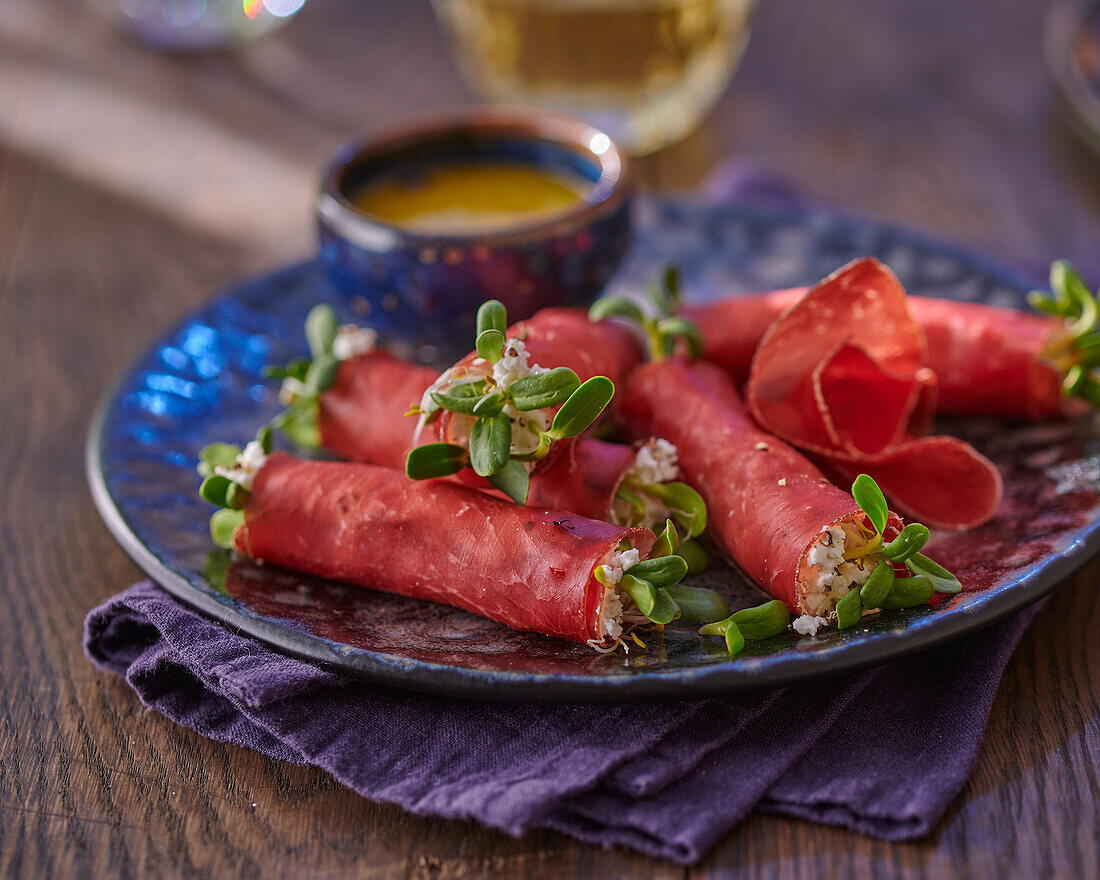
{"points": [[842, 369], [531, 569], [362, 418], [988, 360], [839, 376], [770, 508]]}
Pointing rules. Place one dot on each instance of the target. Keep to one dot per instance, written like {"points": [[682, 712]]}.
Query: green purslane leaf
{"points": [[695, 555], [661, 572], [435, 460], [942, 580], [513, 480], [460, 398], [763, 621], [490, 444], [908, 593], [490, 345], [615, 307], [582, 407], [543, 389], [1072, 294], [684, 503], [912, 538], [490, 405], [668, 539], [1043, 302], [321, 374], [665, 610], [670, 280], [540, 451], [219, 454], [728, 628], [637, 506], [299, 425], [215, 489], [492, 315], [870, 499], [681, 328], [222, 526], [1059, 270], [877, 587], [1080, 382], [735, 638], [321, 326], [641, 591], [264, 438], [849, 610], [236, 496], [698, 604]]}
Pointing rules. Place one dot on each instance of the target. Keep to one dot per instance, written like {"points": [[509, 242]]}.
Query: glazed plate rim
{"points": [[654, 684]]}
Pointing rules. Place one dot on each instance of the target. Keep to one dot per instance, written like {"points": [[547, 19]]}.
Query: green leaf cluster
{"points": [[883, 589], [654, 585], [665, 331], [490, 452], [1075, 351], [223, 492], [313, 375]]}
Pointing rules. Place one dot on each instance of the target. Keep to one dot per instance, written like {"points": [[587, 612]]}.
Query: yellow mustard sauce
{"points": [[465, 198]]}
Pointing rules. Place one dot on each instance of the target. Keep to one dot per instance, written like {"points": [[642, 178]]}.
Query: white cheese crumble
{"points": [[831, 577], [352, 341], [611, 613], [247, 465], [656, 462], [808, 625], [514, 364], [782, 481], [618, 564]]}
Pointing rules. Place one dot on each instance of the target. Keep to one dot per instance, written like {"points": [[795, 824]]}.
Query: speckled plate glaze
{"points": [[201, 382]]}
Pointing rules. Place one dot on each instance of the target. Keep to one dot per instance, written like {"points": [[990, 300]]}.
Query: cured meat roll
{"points": [[362, 417], [538, 570], [771, 510], [988, 361]]}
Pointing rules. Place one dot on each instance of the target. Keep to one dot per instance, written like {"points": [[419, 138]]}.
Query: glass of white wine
{"points": [[645, 71]]}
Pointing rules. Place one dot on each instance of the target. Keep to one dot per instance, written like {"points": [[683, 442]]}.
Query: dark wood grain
{"points": [[133, 185]]}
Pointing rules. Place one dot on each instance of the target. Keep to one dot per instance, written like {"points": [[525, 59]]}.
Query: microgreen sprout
{"points": [[227, 472], [508, 402], [1074, 348], [666, 332], [759, 622]]}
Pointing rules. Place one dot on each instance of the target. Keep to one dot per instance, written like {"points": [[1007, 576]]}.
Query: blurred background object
{"points": [[200, 24], [1072, 48], [645, 71]]}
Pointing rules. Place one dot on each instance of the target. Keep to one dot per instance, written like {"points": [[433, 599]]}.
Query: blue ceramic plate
{"points": [[201, 382]]}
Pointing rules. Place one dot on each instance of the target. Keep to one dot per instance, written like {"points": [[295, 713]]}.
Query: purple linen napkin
{"points": [[668, 780]]}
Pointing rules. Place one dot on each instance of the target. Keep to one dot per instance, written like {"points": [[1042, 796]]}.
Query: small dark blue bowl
{"points": [[424, 289]]}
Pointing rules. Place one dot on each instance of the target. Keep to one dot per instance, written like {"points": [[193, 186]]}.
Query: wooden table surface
{"points": [[133, 185]]}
